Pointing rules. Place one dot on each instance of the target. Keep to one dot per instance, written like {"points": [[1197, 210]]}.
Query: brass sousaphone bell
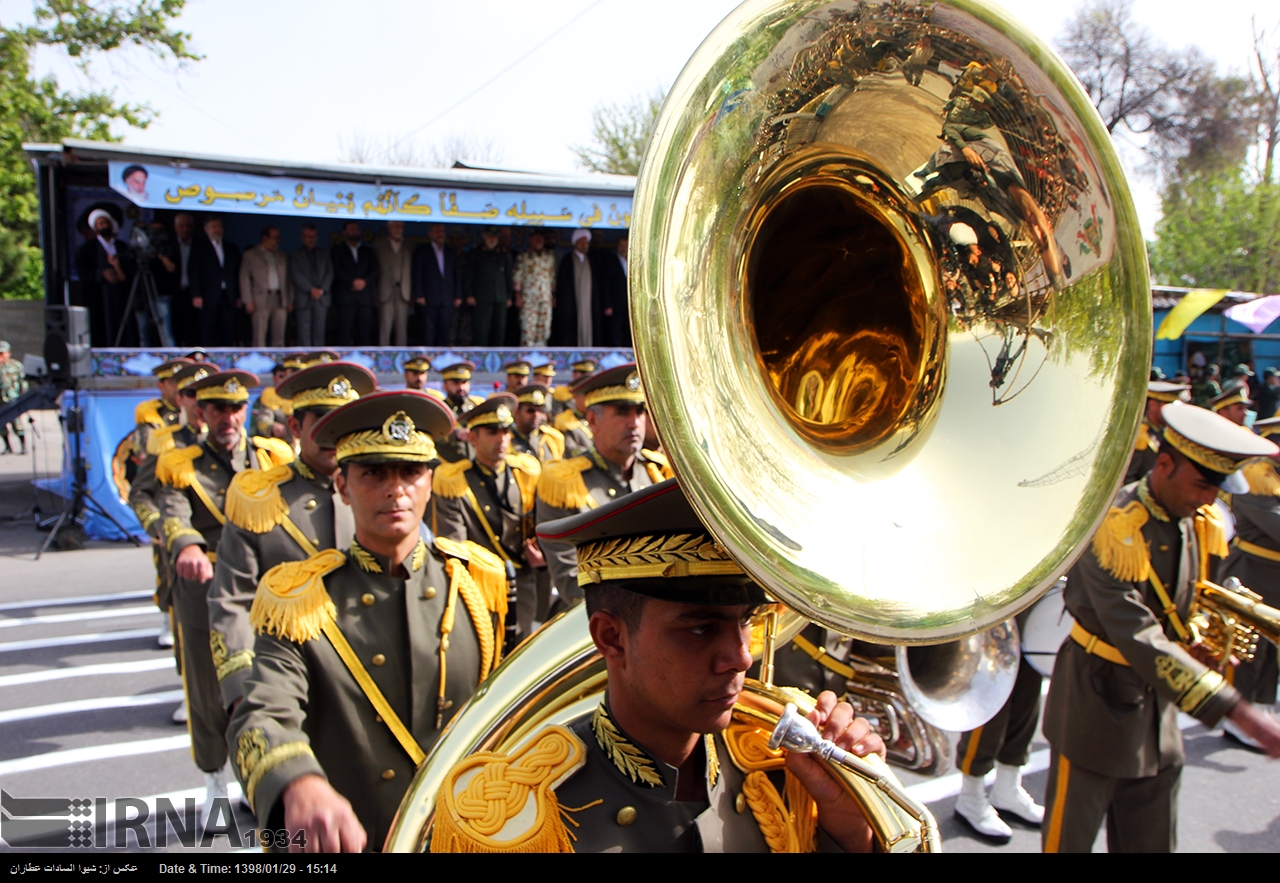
{"points": [[890, 303]]}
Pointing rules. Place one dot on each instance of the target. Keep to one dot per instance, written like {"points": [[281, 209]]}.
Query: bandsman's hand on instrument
{"points": [[838, 813], [325, 816]]}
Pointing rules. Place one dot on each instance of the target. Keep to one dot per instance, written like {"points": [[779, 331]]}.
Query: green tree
{"points": [[620, 133], [40, 110]]}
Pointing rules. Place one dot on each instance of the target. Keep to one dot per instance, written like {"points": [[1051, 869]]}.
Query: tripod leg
{"points": [[128, 309], [153, 304], [89, 502], [57, 526]]}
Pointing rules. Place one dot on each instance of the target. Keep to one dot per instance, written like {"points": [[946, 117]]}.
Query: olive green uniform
{"points": [[572, 486], [152, 415], [187, 521], [545, 443], [1113, 728], [268, 412], [1145, 451], [577, 437], [310, 502], [453, 448], [304, 713], [1258, 532]]}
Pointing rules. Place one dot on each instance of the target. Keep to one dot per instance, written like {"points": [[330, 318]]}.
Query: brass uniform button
{"points": [[213, 467], [378, 659], [739, 803], [367, 599], [614, 493], [377, 718], [429, 592], [311, 504], [388, 775], [626, 815], [1164, 548], [486, 508]]}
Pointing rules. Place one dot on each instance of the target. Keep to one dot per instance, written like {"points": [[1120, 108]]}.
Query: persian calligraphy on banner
{"points": [[165, 187]]}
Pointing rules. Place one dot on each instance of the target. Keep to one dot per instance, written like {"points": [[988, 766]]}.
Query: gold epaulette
{"points": [[254, 501], [488, 794], [272, 452], [177, 467], [476, 400], [526, 469], [660, 460], [119, 465], [1263, 479], [434, 393], [1213, 531], [161, 439], [271, 399], [1120, 546], [291, 602], [567, 421], [486, 569], [148, 412], [556, 439], [525, 462], [562, 393], [561, 483], [1144, 438], [450, 479]]}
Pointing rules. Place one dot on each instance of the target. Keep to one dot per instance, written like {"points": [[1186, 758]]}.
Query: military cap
{"points": [[4, 346], [1235, 394], [1242, 370], [547, 370], [1157, 373], [196, 355], [534, 394], [493, 411], [165, 370], [298, 361], [456, 369], [327, 385], [519, 367], [1271, 372], [652, 543], [226, 387], [421, 364], [585, 366], [620, 384], [391, 426], [1163, 391], [192, 372], [1267, 428], [1212, 442]]}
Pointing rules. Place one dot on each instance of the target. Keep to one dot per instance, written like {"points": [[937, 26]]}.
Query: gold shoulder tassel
{"points": [[555, 439], [148, 412], [789, 825], [487, 794], [659, 466], [1263, 479], [525, 470], [450, 480], [567, 421], [1121, 549], [292, 602], [277, 451], [271, 399], [161, 439], [1144, 437], [254, 501], [561, 484], [562, 393], [176, 467], [1214, 532]]}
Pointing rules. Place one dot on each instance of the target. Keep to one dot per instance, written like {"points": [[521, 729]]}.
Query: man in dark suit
{"points": [[106, 268], [355, 277], [214, 274], [613, 280], [437, 287]]}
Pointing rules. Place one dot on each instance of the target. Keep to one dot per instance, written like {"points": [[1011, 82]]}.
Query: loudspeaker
{"points": [[66, 342]]}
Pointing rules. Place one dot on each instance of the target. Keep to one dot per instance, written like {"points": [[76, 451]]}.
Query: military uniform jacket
{"points": [[464, 493], [572, 486], [621, 799], [255, 540], [303, 710], [150, 441], [1117, 720], [453, 448], [1257, 517], [1145, 451], [577, 437], [545, 443], [13, 380], [269, 411]]}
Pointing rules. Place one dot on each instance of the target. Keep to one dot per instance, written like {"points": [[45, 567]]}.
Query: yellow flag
{"points": [[1187, 310]]}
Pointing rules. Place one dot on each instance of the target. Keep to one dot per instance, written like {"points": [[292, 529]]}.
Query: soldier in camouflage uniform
{"points": [[13, 383]]}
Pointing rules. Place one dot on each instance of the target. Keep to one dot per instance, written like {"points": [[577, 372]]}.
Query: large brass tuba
{"points": [[889, 298]]}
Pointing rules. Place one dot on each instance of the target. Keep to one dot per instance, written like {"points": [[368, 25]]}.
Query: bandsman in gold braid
{"points": [[664, 763], [1147, 445], [364, 654], [615, 465], [286, 513], [517, 374], [1131, 662], [569, 411], [1233, 403], [531, 434], [455, 378], [1255, 561], [562, 396]]}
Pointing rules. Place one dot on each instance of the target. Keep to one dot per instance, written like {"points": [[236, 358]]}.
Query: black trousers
{"points": [[435, 323], [1007, 736], [489, 326], [356, 325], [217, 322]]}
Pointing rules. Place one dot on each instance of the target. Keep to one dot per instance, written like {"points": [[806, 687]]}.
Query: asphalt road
{"points": [[86, 696]]}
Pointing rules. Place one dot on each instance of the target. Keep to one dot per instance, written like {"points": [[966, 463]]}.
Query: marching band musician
{"points": [[1129, 666], [1147, 446], [531, 434], [455, 377]]}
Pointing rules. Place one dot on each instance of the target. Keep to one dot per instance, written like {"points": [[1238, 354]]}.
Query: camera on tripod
{"points": [[145, 245]]}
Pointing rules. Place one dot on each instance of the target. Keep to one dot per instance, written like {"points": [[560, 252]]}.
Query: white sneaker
{"points": [[1008, 795], [166, 637], [973, 807], [1230, 728], [215, 786], [179, 715]]}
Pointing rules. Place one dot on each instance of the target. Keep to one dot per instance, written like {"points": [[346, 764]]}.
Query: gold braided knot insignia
{"points": [[482, 799], [748, 745], [624, 755]]}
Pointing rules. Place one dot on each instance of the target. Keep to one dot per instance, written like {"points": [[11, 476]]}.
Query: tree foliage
{"points": [[620, 133], [40, 110]]}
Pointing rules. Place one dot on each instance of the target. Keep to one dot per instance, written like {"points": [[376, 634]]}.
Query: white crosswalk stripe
{"points": [[95, 638], [93, 753], [100, 703], [75, 600], [85, 671], [120, 613]]}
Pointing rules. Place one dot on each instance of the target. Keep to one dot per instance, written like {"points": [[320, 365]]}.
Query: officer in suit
{"points": [[660, 764], [1255, 561], [363, 655], [355, 280], [455, 377], [1128, 666], [614, 466], [1147, 445], [531, 434], [214, 274], [193, 488], [437, 287], [490, 500], [562, 396], [283, 514]]}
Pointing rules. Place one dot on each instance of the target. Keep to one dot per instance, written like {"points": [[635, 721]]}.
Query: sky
{"points": [[295, 80]]}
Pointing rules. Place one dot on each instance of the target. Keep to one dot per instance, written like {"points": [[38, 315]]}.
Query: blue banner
{"points": [[161, 186]]}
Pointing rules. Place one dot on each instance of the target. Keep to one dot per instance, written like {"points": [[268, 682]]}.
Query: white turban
{"points": [[102, 213], [580, 233], [963, 235]]}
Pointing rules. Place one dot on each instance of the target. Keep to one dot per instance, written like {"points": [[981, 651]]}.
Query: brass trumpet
{"points": [[1228, 620]]}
